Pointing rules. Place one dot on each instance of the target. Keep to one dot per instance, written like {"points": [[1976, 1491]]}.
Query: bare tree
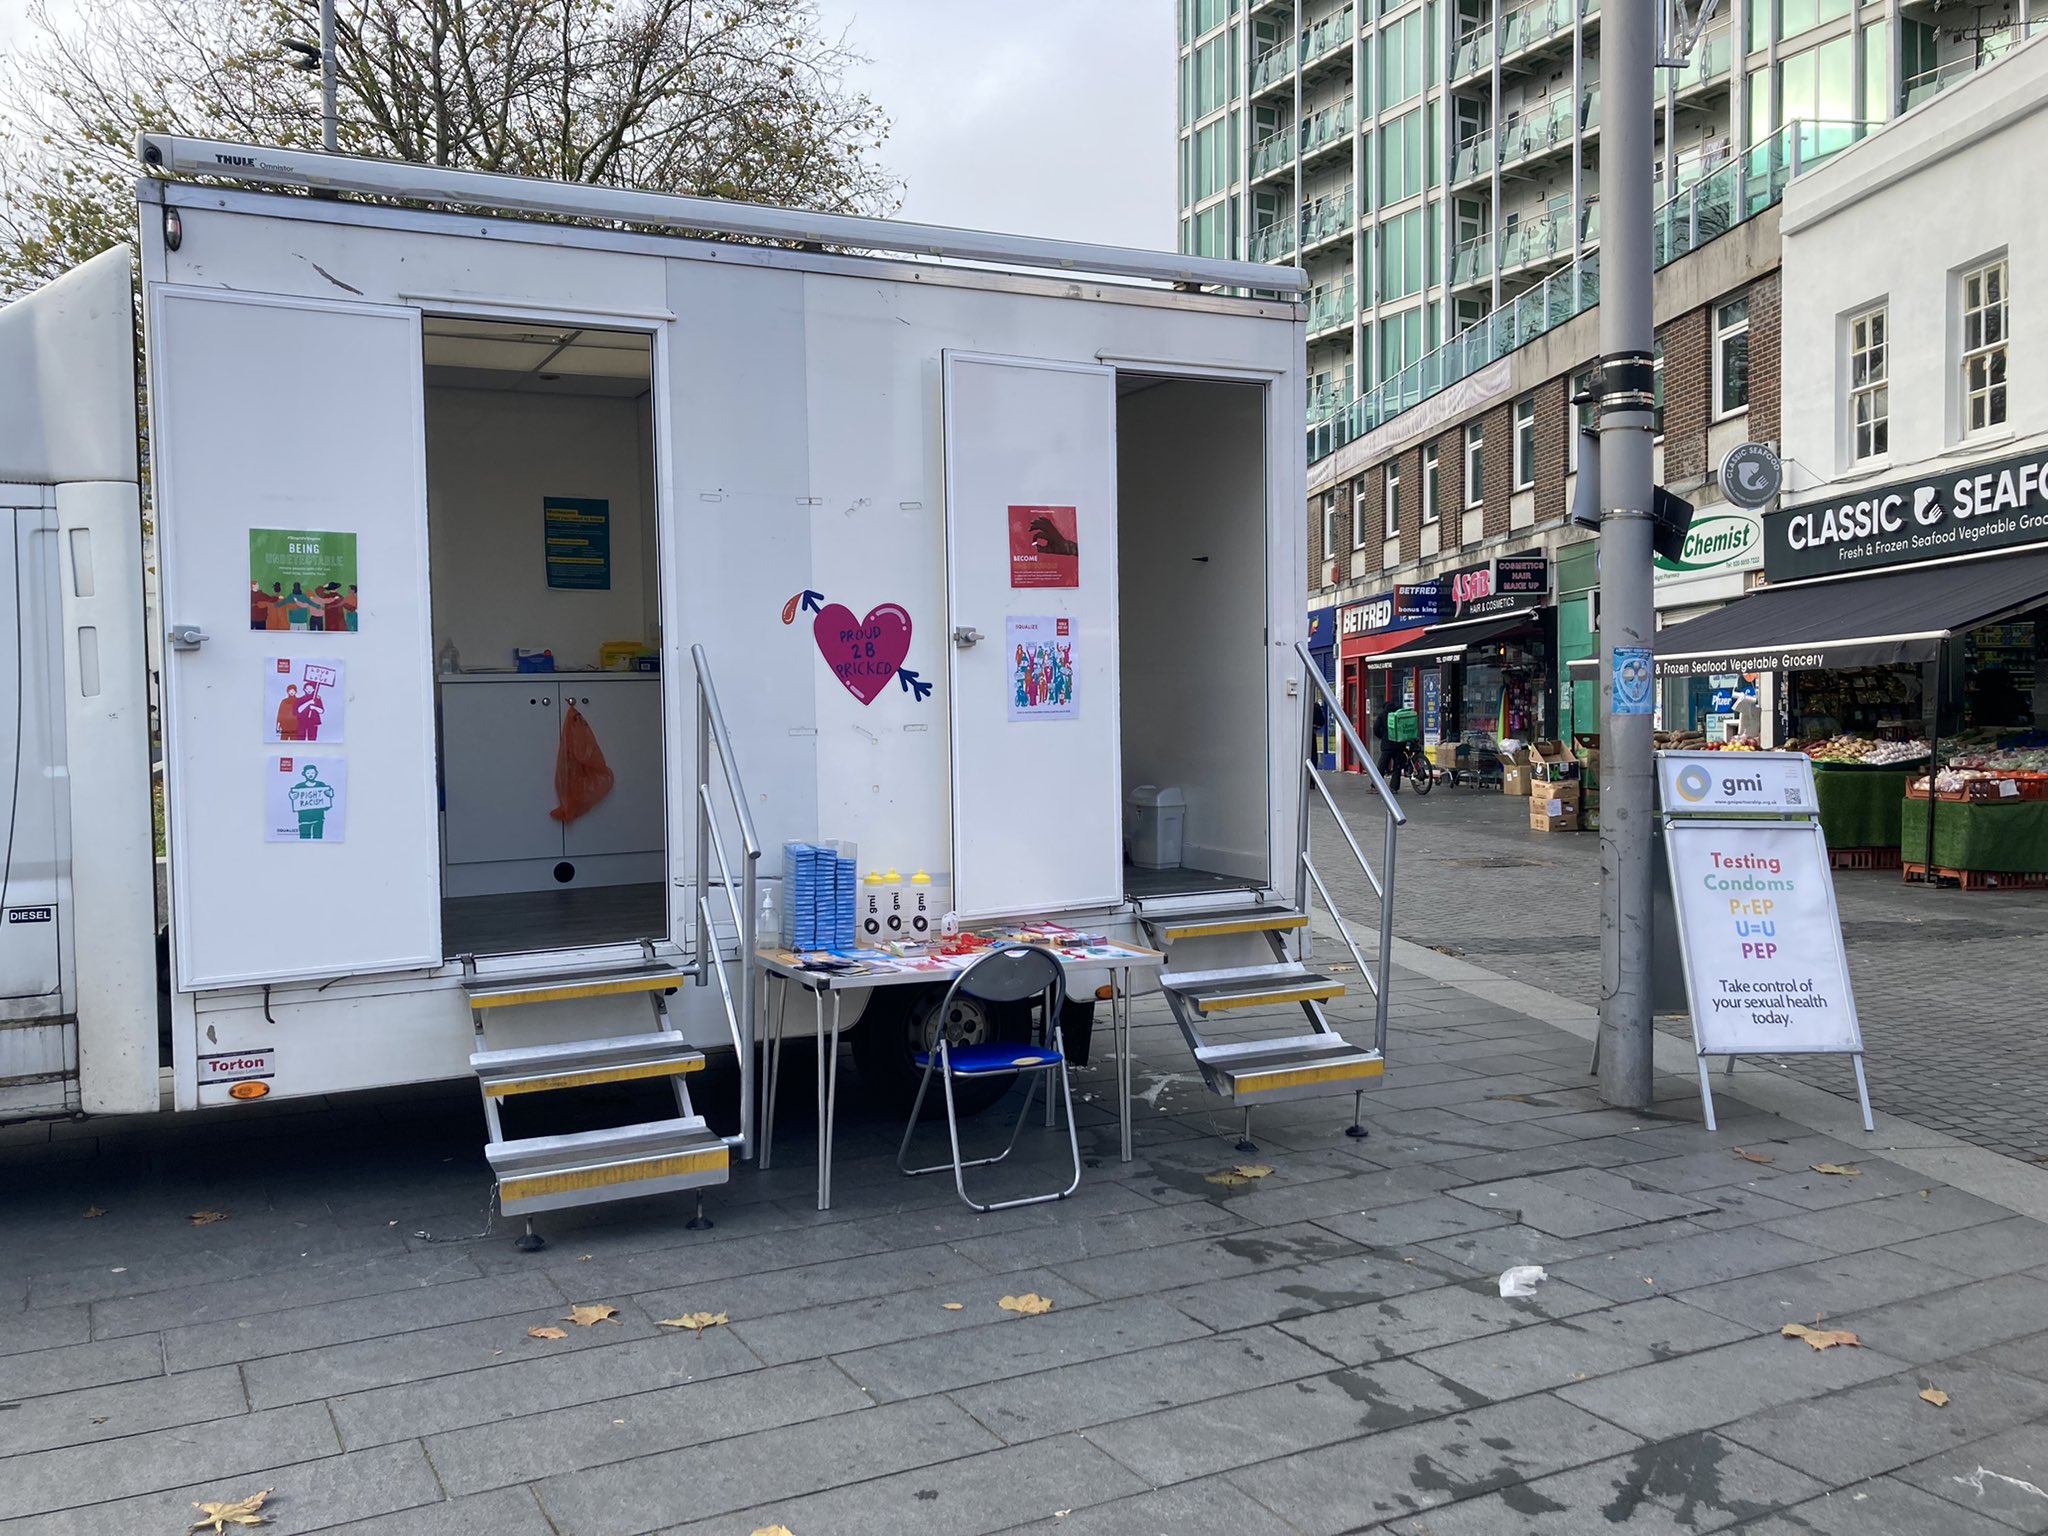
{"points": [[741, 99]]}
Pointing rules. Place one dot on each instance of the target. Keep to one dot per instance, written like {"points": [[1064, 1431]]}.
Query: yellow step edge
{"points": [[533, 1186], [593, 1076], [1196, 928], [569, 994], [1301, 1077], [1316, 994]]}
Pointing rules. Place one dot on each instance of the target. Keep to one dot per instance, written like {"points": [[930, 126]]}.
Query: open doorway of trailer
{"points": [[543, 544], [1192, 563]]}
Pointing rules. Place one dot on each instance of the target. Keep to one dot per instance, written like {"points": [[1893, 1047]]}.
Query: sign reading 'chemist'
{"points": [[1957, 512]]}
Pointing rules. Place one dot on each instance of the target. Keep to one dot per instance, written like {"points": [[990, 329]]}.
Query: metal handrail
{"points": [[1379, 980], [706, 962]]}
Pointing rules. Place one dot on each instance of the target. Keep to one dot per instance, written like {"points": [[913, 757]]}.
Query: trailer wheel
{"points": [[899, 1023]]}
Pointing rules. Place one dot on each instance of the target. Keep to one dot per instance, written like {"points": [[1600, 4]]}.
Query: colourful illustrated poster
{"points": [[1043, 552], [306, 800], [301, 581], [303, 699], [1041, 655], [578, 531]]}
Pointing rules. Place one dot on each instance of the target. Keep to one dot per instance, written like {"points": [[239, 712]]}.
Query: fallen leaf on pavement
{"points": [[1243, 1173], [547, 1333], [1820, 1338], [953, 1306], [1840, 1170], [92, 1211], [206, 1218], [696, 1322], [1935, 1396], [774, 1530], [583, 1316], [218, 1517], [1030, 1304], [1754, 1157], [1061, 1514], [1508, 1098]]}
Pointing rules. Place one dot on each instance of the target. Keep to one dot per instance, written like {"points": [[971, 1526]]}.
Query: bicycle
{"points": [[1416, 767]]}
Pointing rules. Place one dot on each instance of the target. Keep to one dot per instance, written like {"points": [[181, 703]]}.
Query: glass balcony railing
{"points": [[1325, 37], [1326, 127], [1474, 158], [1473, 53], [1472, 262], [1275, 64], [1273, 242], [1534, 133], [1723, 198], [1534, 240], [1930, 83], [1533, 22], [1708, 64], [1329, 308], [1326, 217], [1272, 152]]}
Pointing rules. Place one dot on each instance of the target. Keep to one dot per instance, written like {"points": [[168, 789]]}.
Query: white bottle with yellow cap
{"points": [[895, 921], [872, 911]]}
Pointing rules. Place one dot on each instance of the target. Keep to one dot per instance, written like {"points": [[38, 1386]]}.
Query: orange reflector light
{"points": [[248, 1090]]}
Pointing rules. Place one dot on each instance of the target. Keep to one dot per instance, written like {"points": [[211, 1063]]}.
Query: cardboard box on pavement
{"points": [[1554, 808], [1514, 778]]}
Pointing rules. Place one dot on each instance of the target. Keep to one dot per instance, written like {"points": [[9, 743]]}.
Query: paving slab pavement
{"points": [[1323, 1349], [1948, 983]]}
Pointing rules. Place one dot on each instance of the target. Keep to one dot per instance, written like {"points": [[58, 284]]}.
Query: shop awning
{"points": [[1444, 642], [1863, 621], [1359, 646]]}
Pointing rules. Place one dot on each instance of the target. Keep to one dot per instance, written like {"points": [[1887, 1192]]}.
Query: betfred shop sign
{"points": [[1958, 512]]}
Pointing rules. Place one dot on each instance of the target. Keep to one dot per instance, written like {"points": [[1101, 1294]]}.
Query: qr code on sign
{"points": [[1792, 795]]}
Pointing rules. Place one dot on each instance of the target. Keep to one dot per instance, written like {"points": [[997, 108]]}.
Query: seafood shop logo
{"points": [[1694, 784]]}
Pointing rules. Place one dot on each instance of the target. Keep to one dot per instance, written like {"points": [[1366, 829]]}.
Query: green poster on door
{"points": [[301, 579]]}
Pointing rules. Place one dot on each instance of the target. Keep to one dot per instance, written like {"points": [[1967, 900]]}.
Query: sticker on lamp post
{"points": [[1634, 668]]}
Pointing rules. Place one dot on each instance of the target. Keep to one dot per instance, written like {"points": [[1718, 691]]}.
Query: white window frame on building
{"points": [[1358, 523], [1329, 528], [1866, 383], [1525, 443], [1475, 466], [1731, 331], [1392, 522], [1431, 477], [1984, 295]]}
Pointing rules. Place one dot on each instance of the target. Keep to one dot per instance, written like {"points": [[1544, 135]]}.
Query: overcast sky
{"points": [[1048, 118]]}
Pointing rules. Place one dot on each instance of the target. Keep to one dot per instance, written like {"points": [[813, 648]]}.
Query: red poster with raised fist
{"points": [[1043, 552]]}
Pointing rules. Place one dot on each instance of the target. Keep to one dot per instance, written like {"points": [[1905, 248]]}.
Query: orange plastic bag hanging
{"points": [[582, 778]]}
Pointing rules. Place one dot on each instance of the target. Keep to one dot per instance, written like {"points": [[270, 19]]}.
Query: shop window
{"points": [[1475, 464], [1525, 442], [1985, 297], [1429, 484], [1393, 522], [1731, 358], [1358, 522], [1869, 410]]}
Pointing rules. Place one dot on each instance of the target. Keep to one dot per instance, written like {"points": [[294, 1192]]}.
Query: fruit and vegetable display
{"points": [[1864, 752], [1696, 741]]}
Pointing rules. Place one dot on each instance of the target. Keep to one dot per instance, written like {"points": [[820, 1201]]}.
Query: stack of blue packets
{"points": [[844, 883], [818, 886]]}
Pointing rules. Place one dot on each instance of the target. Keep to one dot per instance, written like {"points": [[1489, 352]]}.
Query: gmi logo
{"points": [[31, 915]]}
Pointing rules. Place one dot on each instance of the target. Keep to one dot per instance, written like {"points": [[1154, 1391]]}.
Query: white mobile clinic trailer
{"points": [[785, 498]]}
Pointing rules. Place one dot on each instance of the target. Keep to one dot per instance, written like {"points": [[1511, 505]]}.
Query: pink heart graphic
{"points": [[863, 653]]}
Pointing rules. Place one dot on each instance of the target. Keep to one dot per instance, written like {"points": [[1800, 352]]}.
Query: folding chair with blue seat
{"points": [[1015, 973]]}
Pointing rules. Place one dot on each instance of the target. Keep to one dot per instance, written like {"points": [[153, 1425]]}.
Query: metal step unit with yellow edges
{"points": [[548, 1173], [1268, 1070]]}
